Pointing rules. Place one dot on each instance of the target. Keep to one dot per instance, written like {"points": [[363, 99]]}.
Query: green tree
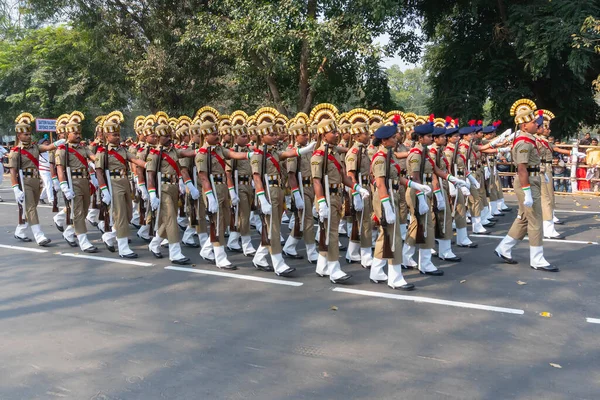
{"points": [[409, 89]]}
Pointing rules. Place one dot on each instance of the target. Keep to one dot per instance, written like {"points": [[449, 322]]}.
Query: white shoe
{"points": [[280, 267], [322, 266], [336, 275], [124, 250], [247, 247], [353, 252], [175, 254], [39, 236], [84, 243], [290, 246], [366, 257], [425, 264], [221, 260], [312, 255], [407, 255], [504, 249], [377, 273], [462, 237]]}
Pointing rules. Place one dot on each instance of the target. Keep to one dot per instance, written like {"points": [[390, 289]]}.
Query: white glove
{"points": [[505, 134], [528, 199], [452, 189], [235, 200], [194, 192], [105, 196], [314, 211], [94, 180], [69, 194], [59, 142], [423, 206], [441, 204], [298, 199], [419, 187], [323, 210], [456, 181], [19, 195], [364, 193], [56, 184], [288, 202], [465, 191], [486, 172], [504, 150], [154, 201], [308, 148], [143, 191], [473, 181], [468, 185], [181, 186], [390, 215], [358, 202], [265, 206]]}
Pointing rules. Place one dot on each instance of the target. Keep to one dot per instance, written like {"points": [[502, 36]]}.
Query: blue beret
{"points": [[451, 131], [489, 129], [386, 131], [424, 129], [438, 131], [540, 120], [466, 130]]}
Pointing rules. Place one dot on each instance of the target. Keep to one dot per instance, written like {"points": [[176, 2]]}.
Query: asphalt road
{"points": [[81, 328]]}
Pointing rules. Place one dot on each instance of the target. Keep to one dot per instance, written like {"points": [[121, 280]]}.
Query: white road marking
{"points": [[236, 276], [545, 240], [106, 259], [8, 246], [593, 320], [431, 301], [577, 212]]}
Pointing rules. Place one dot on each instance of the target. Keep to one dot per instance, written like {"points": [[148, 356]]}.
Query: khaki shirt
{"points": [[435, 152], [414, 161], [525, 152], [105, 160], [378, 165], [272, 167], [166, 170], [317, 162], [402, 149], [358, 150], [242, 166], [74, 163], [185, 162], [304, 161], [13, 156], [216, 156]]}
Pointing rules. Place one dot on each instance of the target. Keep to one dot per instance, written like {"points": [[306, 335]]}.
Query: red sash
{"points": [[75, 153], [331, 158], [525, 139], [392, 162], [417, 151], [118, 157], [27, 154], [172, 163], [272, 159], [203, 150]]}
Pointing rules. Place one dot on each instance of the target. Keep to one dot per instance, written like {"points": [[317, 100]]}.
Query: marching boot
{"points": [[260, 259], [247, 247], [407, 256], [188, 238], [426, 267], [549, 231], [202, 238], [396, 280], [353, 252], [477, 227], [110, 240], [495, 211], [280, 267], [377, 273], [289, 249], [312, 255], [21, 232], [175, 254], [39, 236], [92, 216], [154, 246], [164, 243], [135, 216], [59, 220], [537, 260], [462, 238], [322, 266], [207, 252], [366, 257], [336, 275], [144, 233], [281, 239], [403, 230], [233, 242], [100, 226], [124, 250], [445, 252], [555, 219], [342, 228], [284, 218], [85, 245], [503, 206], [69, 235], [221, 260], [504, 249]]}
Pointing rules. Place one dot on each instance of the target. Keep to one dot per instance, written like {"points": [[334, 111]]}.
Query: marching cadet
{"points": [[72, 166], [442, 212], [266, 170], [492, 172], [112, 171], [422, 169], [527, 185], [242, 179], [150, 142], [23, 161], [387, 177], [59, 217], [329, 179], [403, 146], [196, 143], [358, 168], [162, 163], [94, 211], [136, 202]]}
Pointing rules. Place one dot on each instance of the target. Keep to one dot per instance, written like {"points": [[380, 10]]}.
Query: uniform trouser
{"points": [[47, 191], [402, 207], [80, 204], [411, 235], [366, 231], [246, 195], [32, 197], [389, 230], [493, 185], [474, 201], [335, 212], [499, 186], [530, 221], [443, 219], [201, 210], [273, 221], [167, 220], [224, 215], [482, 192], [309, 226], [460, 213], [548, 203], [121, 206]]}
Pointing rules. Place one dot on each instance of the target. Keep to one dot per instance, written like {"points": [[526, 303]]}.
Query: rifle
{"points": [[438, 231], [387, 247], [455, 166], [421, 227], [297, 223], [155, 214], [195, 203], [54, 201], [21, 183], [211, 216], [104, 209], [324, 230], [68, 204], [233, 221], [264, 235], [355, 234]]}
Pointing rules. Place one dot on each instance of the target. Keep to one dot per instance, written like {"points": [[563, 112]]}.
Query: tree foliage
{"points": [[410, 89]]}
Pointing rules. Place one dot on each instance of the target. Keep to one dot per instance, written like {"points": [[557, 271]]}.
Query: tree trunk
{"points": [[263, 65], [303, 86]]}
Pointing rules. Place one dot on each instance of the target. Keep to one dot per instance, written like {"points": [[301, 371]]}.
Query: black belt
{"points": [[460, 173], [78, 175], [307, 181], [244, 180], [168, 180], [116, 174], [546, 162], [533, 169], [473, 169], [31, 174], [273, 182], [365, 182], [429, 179], [396, 187], [218, 178]]}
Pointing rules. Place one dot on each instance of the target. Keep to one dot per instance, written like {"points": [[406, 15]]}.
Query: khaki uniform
{"points": [[357, 151], [474, 201], [492, 182], [403, 207], [442, 219], [245, 190], [460, 213], [143, 151], [378, 170], [548, 203], [530, 221], [81, 182], [336, 188], [220, 191], [308, 234], [120, 205], [413, 163], [273, 193], [483, 189], [169, 191], [31, 177]]}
